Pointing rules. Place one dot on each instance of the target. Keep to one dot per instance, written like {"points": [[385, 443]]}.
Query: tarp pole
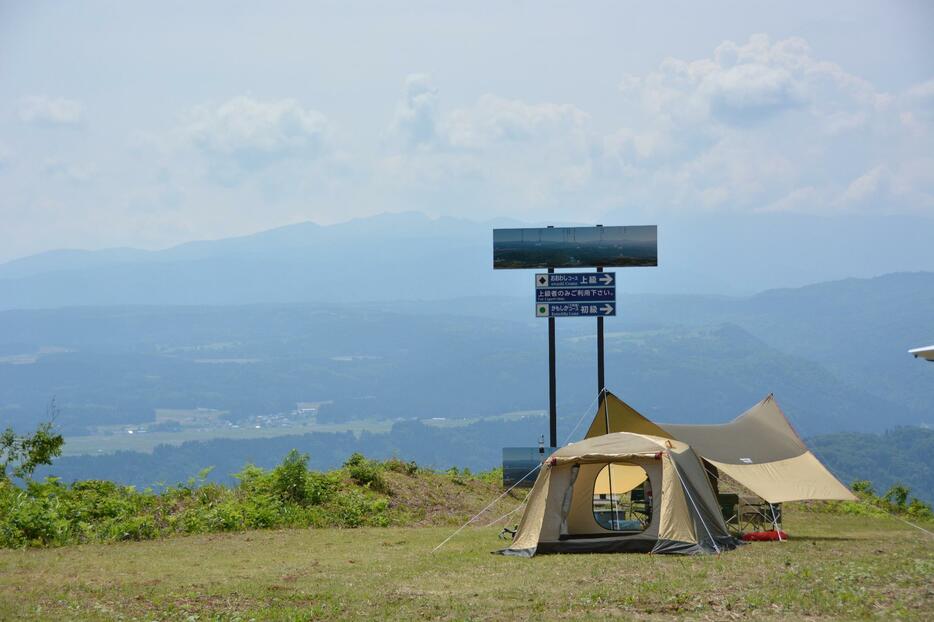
{"points": [[778, 531], [614, 506]]}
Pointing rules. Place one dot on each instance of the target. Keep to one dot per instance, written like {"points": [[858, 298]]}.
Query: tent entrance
{"points": [[626, 509], [622, 498]]}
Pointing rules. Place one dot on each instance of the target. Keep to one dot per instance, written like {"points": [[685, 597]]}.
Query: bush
{"points": [[50, 513], [894, 501], [354, 509], [365, 472], [321, 487], [290, 479], [400, 466]]}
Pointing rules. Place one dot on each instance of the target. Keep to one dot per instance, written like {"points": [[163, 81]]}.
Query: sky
{"points": [[152, 124]]}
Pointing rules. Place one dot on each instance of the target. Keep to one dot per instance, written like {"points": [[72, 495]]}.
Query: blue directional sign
{"points": [[575, 294], [575, 309], [575, 279]]}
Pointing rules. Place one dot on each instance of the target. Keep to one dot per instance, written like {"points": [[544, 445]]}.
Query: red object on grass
{"points": [[764, 536]]}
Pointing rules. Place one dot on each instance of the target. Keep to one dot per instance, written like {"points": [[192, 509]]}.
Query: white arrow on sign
{"points": [[607, 279], [607, 309]]}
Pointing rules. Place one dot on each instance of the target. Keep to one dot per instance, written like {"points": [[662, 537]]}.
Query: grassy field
{"points": [[833, 567]]}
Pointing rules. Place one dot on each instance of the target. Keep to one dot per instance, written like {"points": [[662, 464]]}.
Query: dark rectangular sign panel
{"points": [[519, 461], [575, 247]]}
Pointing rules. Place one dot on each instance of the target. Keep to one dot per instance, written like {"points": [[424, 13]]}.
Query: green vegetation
{"points": [[361, 493], [894, 502], [833, 567], [21, 455]]}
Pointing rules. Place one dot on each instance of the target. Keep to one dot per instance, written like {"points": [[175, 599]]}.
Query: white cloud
{"points": [[253, 133], [520, 152], [768, 126], [48, 111], [747, 85], [756, 126], [909, 186], [495, 120], [798, 200], [416, 114], [869, 185]]}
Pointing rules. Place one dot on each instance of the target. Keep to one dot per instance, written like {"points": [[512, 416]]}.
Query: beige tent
{"points": [[682, 517], [759, 449]]}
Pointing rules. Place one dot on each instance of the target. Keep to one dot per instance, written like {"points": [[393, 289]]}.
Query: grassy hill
{"points": [[834, 567], [295, 544]]}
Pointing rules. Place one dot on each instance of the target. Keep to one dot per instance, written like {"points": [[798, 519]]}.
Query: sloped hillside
{"points": [[361, 493]]}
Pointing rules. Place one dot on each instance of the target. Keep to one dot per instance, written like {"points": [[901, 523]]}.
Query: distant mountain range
{"points": [[408, 256]]}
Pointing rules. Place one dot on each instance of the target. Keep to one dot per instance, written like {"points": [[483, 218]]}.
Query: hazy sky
{"points": [[131, 125]]}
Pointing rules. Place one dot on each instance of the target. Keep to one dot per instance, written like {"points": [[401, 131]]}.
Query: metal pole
{"points": [[614, 506], [601, 381], [552, 381]]}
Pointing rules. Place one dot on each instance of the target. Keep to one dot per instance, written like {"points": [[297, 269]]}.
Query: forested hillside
{"points": [[899, 456], [834, 356]]}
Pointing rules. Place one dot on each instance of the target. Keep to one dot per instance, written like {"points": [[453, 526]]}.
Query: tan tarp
{"points": [[623, 476], [795, 479], [622, 418], [759, 449]]}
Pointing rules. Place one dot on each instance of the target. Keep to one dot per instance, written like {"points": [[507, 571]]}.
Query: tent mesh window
{"points": [[622, 498]]}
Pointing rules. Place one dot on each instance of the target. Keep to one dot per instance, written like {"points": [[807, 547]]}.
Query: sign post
{"points": [[552, 381], [601, 385], [576, 294]]}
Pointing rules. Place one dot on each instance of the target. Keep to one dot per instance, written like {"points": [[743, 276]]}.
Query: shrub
{"points": [[365, 472], [458, 477], [132, 528], [894, 501], [290, 479], [897, 496], [49, 513], [355, 509], [321, 487], [400, 466], [22, 454]]}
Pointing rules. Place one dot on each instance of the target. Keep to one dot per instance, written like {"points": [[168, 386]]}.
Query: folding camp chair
{"points": [[729, 507], [640, 507], [756, 514]]}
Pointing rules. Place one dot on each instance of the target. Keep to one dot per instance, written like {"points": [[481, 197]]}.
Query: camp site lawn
{"points": [[834, 567]]}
